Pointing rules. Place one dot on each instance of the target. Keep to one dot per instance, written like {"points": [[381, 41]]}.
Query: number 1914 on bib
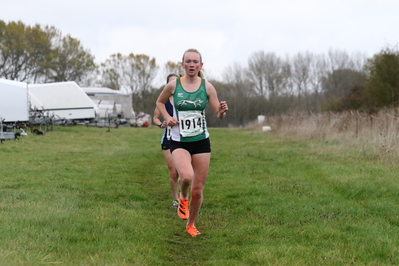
{"points": [[191, 123]]}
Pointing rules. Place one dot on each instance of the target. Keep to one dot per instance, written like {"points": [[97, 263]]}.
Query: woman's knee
{"points": [[186, 179], [173, 174], [196, 192]]}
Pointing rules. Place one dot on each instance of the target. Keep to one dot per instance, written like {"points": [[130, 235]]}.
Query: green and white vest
{"points": [[189, 110]]}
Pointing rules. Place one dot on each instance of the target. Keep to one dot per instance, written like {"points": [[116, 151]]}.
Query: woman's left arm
{"points": [[219, 108]]}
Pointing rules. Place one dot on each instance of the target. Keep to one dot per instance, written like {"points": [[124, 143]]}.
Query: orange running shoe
{"points": [[182, 210], [192, 230]]}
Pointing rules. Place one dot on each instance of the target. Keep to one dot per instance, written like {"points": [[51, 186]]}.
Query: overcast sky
{"points": [[224, 31]]}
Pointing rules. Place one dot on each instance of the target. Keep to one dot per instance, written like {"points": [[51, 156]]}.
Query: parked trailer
{"points": [[14, 104], [65, 100], [5, 135], [14, 107]]}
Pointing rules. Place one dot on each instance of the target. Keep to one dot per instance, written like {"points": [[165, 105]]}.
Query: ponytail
{"points": [[200, 74]]}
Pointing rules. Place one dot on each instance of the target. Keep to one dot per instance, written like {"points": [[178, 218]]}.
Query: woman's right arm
{"points": [[166, 93], [156, 116]]}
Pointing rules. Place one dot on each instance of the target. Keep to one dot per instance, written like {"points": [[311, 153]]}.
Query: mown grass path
{"points": [[85, 196]]}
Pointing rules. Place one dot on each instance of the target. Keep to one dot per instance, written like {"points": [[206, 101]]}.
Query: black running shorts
{"points": [[165, 147], [201, 146]]}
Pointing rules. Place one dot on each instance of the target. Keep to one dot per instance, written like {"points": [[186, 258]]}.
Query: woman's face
{"points": [[192, 63]]}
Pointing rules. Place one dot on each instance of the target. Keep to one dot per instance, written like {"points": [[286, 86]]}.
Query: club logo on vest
{"points": [[186, 102]]}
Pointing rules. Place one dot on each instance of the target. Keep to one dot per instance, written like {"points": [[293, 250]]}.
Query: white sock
{"points": [[186, 197]]}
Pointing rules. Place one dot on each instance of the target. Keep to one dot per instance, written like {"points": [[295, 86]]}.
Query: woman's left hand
{"points": [[223, 107]]}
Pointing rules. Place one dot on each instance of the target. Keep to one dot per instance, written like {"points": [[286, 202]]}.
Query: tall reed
{"points": [[373, 134]]}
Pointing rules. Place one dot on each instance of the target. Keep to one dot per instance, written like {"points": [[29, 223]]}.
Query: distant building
{"points": [[110, 101]]}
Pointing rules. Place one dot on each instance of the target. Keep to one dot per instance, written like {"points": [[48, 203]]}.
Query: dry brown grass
{"points": [[373, 135]]}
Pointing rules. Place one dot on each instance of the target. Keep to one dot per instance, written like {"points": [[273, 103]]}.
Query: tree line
{"points": [[267, 84]]}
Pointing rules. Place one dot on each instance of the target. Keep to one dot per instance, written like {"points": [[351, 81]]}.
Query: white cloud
{"points": [[164, 45], [225, 31]]}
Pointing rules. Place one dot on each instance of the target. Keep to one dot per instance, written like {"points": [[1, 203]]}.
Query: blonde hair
{"points": [[200, 73], [193, 51]]}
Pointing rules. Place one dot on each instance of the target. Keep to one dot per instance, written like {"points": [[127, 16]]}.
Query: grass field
{"points": [[85, 196]]}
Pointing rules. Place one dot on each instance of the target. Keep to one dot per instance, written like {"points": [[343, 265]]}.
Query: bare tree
{"points": [[236, 76], [286, 86], [139, 72], [336, 60], [359, 61], [266, 71], [256, 72], [112, 71], [172, 67], [301, 73], [133, 73]]}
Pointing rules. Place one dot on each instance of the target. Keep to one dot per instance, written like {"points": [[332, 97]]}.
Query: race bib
{"points": [[190, 123]]}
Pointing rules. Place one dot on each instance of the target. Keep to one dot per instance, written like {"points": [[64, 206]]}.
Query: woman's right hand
{"points": [[170, 121]]}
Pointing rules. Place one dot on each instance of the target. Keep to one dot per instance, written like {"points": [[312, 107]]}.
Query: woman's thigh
{"points": [[200, 163], [182, 161]]}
